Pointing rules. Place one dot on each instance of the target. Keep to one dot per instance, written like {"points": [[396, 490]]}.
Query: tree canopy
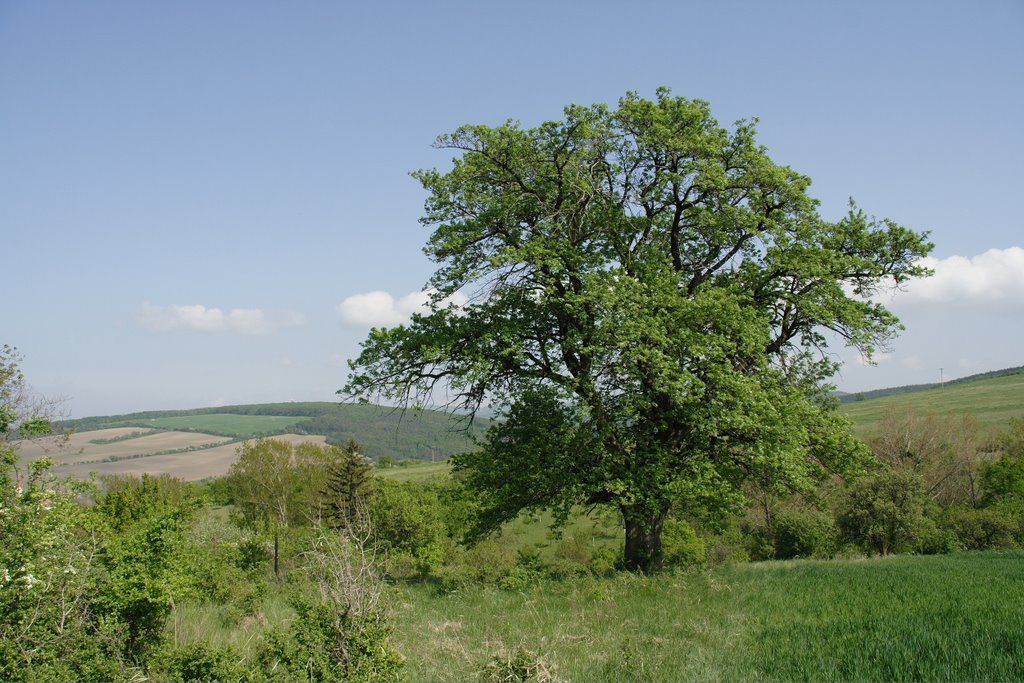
{"points": [[651, 303]]}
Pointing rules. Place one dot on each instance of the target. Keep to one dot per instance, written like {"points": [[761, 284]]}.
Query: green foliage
{"points": [[409, 518], [52, 588], [803, 531], [124, 500], [323, 646], [348, 484], [887, 512], [984, 528], [1011, 440], [144, 576], [197, 662], [1002, 481], [648, 289], [488, 562], [682, 546]]}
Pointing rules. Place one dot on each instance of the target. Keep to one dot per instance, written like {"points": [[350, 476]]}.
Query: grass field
{"points": [[241, 426], [957, 617], [993, 401], [417, 472]]}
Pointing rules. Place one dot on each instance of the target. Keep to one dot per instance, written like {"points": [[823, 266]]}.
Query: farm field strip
{"points": [[190, 466], [79, 448], [229, 424]]}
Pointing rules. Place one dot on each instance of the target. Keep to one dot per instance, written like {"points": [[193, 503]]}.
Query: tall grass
{"points": [[955, 617]]}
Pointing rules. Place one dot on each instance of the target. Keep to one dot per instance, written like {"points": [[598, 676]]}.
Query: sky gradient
{"points": [[207, 203]]}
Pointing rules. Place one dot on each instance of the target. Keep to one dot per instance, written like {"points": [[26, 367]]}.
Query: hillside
{"points": [[992, 398], [850, 397], [417, 435]]}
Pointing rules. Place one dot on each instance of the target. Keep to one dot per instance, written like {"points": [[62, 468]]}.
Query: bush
{"points": [[517, 665], [887, 512], [323, 644], [197, 662], [681, 545], [983, 528], [340, 632], [1002, 481], [803, 532], [488, 561], [408, 518]]}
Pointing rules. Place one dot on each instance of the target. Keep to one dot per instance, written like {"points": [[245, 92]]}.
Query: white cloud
{"points": [[199, 318], [380, 309], [876, 358], [992, 280]]}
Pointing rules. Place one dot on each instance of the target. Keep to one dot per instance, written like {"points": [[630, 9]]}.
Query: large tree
{"points": [[651, 300]]}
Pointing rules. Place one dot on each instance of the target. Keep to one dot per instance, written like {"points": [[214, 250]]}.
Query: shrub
{"points": [[577, 555], [803, 532], [52, 625], [1002, 481], [340, 632], [886, 512], [681, 544], [517, 665], [408, 518], [323, 644], [197, 662], [983, 528], [488, 561]]}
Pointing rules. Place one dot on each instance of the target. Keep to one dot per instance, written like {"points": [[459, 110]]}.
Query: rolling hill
{"points": [[993, 398], [415, 435]]}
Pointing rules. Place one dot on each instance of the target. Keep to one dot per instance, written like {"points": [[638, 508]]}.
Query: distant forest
{"points": [[909, 388], [382, 431]]}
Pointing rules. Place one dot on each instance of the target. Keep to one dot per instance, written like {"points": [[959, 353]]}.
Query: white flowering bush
{"points": [[50, 577]]}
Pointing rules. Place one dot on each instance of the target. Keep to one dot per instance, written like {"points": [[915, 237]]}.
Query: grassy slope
{"points": [[421, 435], [993, 401], [955, 617], [242, 426]]}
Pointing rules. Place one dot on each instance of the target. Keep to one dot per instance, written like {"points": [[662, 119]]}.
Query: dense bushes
{"points": [[681, 545], [886, 512]]}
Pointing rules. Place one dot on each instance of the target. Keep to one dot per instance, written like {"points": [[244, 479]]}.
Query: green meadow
{"points": [[241, 426], [993, 401], [931, 618]]}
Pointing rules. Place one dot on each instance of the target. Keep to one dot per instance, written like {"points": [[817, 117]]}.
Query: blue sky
{"points": [[188, 191]]}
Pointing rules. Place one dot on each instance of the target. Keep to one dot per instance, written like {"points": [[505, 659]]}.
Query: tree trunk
{"points": [[643, 540], [276, 573]]}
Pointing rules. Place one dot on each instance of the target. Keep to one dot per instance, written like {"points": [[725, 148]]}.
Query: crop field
{"points": [[992, 401], [227, 424], [77, 456], [879, 619], [78, 448], [417, 472]]}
